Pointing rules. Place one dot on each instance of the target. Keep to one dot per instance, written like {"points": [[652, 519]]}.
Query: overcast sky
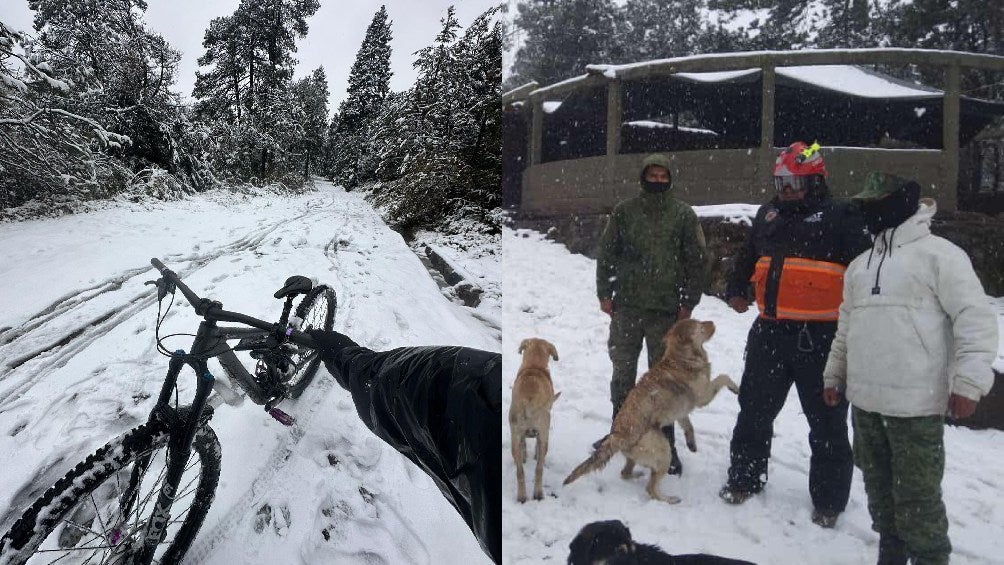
{"points": [[336, 32]]}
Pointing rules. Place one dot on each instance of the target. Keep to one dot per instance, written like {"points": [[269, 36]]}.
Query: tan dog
{"points": [[667, 393], [530, 411]]}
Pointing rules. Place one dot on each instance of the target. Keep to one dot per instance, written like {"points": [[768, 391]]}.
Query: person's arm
{"points": [[974, 326], [738, 282], [693, 274], [835, 373], [441, 407], [855, 237], [607, 256]]}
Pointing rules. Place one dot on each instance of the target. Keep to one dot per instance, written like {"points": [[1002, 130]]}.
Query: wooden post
{"points": [[614, 107], [536, 130], [766, 156], [948, 197]]}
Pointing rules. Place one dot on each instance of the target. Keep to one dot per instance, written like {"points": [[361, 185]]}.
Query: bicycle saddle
{"points": [[295, 284]]}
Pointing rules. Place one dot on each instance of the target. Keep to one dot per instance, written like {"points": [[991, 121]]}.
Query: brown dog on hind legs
{"points": [[678, 384], [530, 412]]}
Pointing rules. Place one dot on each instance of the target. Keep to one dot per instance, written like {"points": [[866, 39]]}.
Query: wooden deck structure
{"points": [[575, 147]]}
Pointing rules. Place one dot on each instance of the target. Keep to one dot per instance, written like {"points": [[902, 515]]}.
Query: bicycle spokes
{"points": [[108, 525]]}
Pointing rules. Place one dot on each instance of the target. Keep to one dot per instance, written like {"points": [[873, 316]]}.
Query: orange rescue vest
{"points": [[808, 290]]}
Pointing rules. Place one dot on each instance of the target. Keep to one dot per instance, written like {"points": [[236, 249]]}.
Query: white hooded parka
{"points": [[915, 325]]}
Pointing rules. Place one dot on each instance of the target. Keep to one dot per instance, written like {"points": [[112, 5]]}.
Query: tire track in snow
{"points": [[22, 367], [270, 478], [65, 303]]}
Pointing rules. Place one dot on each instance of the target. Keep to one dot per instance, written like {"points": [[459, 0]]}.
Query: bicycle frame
{"points": [[210, 341]]}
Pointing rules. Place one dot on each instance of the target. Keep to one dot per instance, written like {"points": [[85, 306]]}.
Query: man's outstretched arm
{"points": [[441, 407]]}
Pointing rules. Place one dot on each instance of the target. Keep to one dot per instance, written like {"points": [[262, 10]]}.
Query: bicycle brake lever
{"points": [[164, 287]]}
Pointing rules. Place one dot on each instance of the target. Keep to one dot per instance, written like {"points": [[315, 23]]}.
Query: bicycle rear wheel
{"points": [[98, 511], [317, 310]]}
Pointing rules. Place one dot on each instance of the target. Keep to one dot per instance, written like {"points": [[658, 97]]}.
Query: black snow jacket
{"points": [[441, 407], [820, 228]]}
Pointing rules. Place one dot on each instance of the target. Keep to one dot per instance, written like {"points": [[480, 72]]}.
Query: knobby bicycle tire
{"points": [[50, 510], [299, 381]]}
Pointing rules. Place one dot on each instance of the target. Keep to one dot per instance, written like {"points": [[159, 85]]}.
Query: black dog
{"points": [[609, 543]]}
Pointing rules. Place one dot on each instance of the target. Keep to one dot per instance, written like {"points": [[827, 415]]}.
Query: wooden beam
{"points": [[755, 59], [519, 93], [536, 131], [766, 157], [948, 196], [614, 107]]}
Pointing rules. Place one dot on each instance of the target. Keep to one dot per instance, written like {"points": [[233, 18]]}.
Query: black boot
{"points": [[892, 550], [675, 466], [825, 518]]}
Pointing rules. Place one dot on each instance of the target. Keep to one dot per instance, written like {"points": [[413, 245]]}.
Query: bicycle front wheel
{"points": [[317, 310], [97, 513]]}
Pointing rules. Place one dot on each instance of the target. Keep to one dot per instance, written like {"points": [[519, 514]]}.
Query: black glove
{"points": [[330, 343]]}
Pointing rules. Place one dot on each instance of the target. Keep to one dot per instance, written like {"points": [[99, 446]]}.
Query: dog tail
{"points": [[598, 459]]}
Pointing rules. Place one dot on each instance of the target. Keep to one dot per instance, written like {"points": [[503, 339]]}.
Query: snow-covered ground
{"points": [[478, 258], [549, 293], [78, 366]]}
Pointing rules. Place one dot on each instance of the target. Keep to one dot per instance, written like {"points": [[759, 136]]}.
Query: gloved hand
{"points": [[330, 343]]}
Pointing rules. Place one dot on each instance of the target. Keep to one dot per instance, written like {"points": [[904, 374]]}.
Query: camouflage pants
{"points": [[902, 461], [629, 327]]}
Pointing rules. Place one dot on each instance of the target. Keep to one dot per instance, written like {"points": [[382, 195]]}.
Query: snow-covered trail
{"points": [[550, 293], [78, 365]]}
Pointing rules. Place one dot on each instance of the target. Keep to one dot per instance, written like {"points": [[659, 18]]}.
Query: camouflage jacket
{"points": [[651, 255]]}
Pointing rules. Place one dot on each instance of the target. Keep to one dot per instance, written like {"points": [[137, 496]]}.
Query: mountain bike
{"points": [[142, 497]]}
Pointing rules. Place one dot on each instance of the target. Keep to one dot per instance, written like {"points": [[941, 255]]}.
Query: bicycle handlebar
{"points": [[213, 311]]}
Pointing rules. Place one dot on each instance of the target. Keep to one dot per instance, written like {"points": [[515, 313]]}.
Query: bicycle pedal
{"points": [[282, 417]]}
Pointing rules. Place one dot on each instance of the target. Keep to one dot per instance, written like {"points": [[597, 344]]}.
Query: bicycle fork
{"points": [[179, 449]]}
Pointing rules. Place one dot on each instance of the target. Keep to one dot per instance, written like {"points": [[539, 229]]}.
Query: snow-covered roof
{"points": [[551, 105], [856, 81], [660, 125], [845, 79], [737, 66], [720, 76]]}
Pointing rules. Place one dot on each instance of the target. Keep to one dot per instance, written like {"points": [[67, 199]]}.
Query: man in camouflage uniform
{"points": [[916, 339], [649, 274]]}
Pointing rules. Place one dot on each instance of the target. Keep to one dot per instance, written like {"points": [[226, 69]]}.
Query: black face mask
{"points": [[891, 211], [653, 187], [791, 206]]}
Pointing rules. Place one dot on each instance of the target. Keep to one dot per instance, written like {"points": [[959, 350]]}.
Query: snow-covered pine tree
{"points": [[123, 75], [311, 95], [658, 29], [369, 86], [445, 138], [48, 154], [418, 197], [247, 94], [478, 133], [561, 37], [975, 26], [383, 148], [848, 24]]}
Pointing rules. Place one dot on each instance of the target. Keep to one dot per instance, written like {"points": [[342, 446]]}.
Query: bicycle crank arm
{"points": [[281, 417]]}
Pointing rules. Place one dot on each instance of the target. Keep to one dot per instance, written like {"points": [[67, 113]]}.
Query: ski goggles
{"points": [[791, 183]]}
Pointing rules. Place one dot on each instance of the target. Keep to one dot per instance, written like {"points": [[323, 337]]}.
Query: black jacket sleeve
{"points": [[441, 407], [854, 236], [738, 282]]}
